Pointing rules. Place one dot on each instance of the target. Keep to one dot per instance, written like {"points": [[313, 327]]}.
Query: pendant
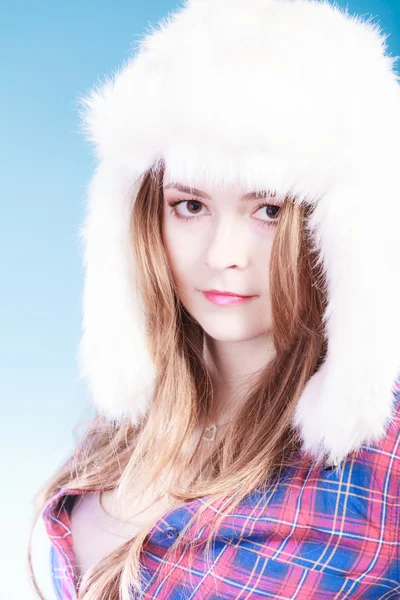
{"points": [[213, 430]]}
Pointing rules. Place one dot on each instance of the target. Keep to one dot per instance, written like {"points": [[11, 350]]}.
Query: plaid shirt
{"points": [[322, 534]]}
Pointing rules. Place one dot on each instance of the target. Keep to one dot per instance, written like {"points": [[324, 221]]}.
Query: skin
{"points": [[227, 247]]}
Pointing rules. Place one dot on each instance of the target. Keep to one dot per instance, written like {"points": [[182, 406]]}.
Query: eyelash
{"points": [[175, 203]]}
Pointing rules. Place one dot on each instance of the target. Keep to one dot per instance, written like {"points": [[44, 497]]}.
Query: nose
{"points": [[229, 246]]}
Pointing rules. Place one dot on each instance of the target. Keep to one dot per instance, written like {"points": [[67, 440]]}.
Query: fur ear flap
{"points": [[349, 400], [112, 353]]}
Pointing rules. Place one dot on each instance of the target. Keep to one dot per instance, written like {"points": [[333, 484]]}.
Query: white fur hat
{"points": [[292, 95]]}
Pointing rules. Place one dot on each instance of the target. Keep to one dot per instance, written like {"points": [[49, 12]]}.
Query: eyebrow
{"points": [[190, 190]]}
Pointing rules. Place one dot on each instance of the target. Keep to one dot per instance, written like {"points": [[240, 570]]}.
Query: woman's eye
{"points": [[193, 206], [271, 212]]}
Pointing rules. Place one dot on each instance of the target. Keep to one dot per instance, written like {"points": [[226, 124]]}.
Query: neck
{"points": [[233, 367]]}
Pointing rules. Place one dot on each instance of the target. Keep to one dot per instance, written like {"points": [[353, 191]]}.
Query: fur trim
{"points": [[291, 95]]}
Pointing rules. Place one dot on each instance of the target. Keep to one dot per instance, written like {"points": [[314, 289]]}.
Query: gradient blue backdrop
{"points": [[52, 53]]}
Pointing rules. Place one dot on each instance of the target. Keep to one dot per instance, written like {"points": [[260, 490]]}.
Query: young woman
{"points": [[241, 322]]}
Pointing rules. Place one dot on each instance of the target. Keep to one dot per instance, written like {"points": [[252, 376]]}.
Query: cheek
{"points": [[261, 261], [180, 256]]}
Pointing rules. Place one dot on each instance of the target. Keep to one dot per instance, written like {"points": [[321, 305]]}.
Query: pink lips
{"points": [[225, 298]]}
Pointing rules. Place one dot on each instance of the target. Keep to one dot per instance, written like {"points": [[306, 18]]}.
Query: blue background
{"points": [[51, 54]]}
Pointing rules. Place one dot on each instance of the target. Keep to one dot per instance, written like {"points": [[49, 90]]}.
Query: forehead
{"points": [[202, 190]]}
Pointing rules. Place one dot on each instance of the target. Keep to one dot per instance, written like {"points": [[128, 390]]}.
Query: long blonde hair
{"points": [[258, 443]]}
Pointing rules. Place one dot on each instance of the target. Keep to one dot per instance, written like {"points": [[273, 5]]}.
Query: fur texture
{"points": [[291, 95]]}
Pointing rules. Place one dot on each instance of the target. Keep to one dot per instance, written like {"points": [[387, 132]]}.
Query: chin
{"points": [[229, 330]]}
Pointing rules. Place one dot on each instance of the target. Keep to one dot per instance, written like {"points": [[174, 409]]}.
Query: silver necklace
{"points": [[211, 431]]}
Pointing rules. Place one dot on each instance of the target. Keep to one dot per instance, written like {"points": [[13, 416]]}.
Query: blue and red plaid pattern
{"points": [[322, 534]]}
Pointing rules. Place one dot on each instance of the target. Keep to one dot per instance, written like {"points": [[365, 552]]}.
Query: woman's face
{"points": [[216, 239]]}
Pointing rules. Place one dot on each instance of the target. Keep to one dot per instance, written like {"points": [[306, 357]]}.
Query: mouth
{"points": [[225, 298]]}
